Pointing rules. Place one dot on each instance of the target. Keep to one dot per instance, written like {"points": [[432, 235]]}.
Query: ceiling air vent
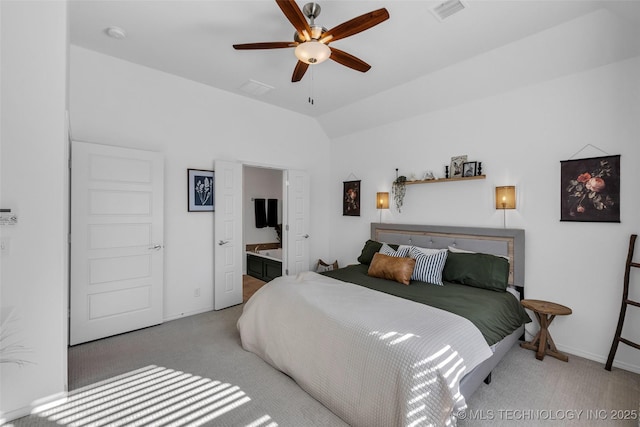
{"points": [[255, 88], [448, 8]]}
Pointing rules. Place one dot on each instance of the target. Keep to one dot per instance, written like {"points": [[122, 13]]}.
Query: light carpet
{"points": [[193, 371]]}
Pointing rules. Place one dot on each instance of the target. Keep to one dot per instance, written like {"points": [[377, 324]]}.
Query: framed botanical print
{"points": [[590, 189], [201, 191]]}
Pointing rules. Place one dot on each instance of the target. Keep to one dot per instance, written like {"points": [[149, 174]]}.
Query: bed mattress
{"points": [[371, 358], [495, 314]]}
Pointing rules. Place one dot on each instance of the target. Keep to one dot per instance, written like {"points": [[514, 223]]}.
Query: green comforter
{"points": [[495, 314]]}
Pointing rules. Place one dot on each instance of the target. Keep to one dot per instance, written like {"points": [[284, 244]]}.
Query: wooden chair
{"points": [[623, 309]]}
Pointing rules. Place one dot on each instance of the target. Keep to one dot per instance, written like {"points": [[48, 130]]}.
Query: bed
{"points": [[379, 353]]}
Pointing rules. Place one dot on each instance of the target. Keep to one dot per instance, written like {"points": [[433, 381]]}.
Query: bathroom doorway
{"points": [[262, 222], [236, 184]]}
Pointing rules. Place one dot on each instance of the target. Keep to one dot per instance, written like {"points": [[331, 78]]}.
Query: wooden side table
{"points": [[542, 343]]}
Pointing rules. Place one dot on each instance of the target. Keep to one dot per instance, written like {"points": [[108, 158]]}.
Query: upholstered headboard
{"points": [[507, 242]]}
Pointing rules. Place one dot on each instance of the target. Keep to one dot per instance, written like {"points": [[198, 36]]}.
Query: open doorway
{"points": [[262, 226], [230, 253]]}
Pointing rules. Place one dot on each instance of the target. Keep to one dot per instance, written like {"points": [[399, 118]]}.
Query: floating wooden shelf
{"points": [[433, 181]]}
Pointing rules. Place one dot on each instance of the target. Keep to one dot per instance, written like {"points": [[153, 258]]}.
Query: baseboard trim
{"points": [[24, 411], [591, 356], [598, 358], [188, 313]]}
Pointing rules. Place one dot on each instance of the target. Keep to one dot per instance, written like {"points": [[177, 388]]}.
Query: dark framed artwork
{"points": [[590, 189], [469, 169], [351, 198], [201, 191]]}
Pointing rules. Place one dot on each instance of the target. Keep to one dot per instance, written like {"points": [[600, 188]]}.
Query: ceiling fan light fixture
{"points": [[312, 52]]}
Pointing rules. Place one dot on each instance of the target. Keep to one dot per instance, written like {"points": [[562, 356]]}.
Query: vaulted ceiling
{"points": [[419, 63]]}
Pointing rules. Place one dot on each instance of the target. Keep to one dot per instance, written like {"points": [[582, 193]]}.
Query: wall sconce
{"points": [[382, 202], [505, 199]]}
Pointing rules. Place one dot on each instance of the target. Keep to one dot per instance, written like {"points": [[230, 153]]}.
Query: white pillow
{"points": [[463, 251], [403, 251], [428, 251], [428, 268]]}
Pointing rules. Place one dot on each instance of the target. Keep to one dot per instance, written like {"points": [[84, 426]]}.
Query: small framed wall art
{"points": [[201, 190], [456, 166], [590, 189], [351, 198], [469, 169]]}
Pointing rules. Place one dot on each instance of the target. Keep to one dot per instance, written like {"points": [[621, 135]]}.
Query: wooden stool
{"points": [[542, 343]]}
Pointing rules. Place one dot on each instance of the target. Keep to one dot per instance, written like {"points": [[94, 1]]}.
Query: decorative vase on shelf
{"points": [[479, 168], [446, 171]]}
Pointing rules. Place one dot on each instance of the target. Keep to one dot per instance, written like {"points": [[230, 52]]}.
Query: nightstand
{"points": [[542, 343]]}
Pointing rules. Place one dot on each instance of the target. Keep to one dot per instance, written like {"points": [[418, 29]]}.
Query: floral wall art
{"points": [[351, 198], [590, 189], [200, 190]]}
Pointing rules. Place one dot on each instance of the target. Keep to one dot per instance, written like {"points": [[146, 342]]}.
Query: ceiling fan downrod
{"points": [[311, 11]]}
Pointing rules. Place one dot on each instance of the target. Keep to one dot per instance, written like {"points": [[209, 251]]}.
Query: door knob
{"points": [[306, 236], [223, 242], [155, 247]]}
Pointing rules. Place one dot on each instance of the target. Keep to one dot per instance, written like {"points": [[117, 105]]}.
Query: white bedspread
{"points": [[371, 358]]}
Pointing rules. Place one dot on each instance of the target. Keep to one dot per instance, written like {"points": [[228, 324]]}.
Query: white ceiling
{"points": [[193, 39]]}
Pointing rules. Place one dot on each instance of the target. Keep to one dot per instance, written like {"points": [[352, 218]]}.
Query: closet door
{"points": [[116, 240]]}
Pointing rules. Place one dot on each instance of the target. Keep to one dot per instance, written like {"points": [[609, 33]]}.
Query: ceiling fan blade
{"points": [[298, 72], [264, 45], [295, 16], [348, 60], [355, 25]]}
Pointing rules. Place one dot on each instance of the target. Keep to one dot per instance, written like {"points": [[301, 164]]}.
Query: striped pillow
{"points": [[428, 267], [402, 252]]}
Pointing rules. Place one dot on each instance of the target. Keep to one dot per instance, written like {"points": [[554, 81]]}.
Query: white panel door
{"points": [[116, 240], [297, 222], [228, 235]]}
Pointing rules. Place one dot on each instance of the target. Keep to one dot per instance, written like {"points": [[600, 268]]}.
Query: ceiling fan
{"points": [[311, 41]]}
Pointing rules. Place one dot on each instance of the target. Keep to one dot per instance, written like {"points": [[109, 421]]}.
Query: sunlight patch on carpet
{"points": [[152, 396]]}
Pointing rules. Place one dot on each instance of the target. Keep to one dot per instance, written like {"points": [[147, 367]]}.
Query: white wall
{"points": [[520, 137], [34, 185], [260, 183], [115, 102]]}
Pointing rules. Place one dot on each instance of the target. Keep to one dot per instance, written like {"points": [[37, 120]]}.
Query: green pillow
{"points": [[371, 247], [477, 270]]}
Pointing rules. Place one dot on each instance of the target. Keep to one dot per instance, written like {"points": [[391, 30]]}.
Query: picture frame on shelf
{"points": [[455, 170], [200, 188], [469, 169]]}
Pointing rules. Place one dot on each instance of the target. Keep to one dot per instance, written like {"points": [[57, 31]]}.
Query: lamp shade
{"points": [[506, 197], [382, 200], [312, 52]]}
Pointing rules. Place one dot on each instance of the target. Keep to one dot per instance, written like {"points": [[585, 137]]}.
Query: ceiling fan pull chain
{"points": [[311, 100]]}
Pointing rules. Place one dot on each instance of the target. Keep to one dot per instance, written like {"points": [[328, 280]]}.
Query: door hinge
{"points": [[286, 271], [286, 227]]}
